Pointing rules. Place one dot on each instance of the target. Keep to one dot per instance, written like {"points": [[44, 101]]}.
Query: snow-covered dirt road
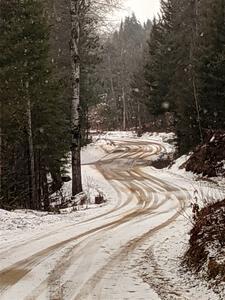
{"points": [[95, 258]]}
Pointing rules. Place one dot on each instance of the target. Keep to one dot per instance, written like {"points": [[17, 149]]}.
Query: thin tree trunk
{"points": [[113, 103], [124, 109], [1, 150], [139, 115], [33, 191], [75, 105], [197, 106], [38, 179], [87, 125], [195, 92], [111, 78], [45, 191]]}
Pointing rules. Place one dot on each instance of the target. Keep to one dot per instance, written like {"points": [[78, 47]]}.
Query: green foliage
{"points": [[184, 69], [168, 71], [121, 58], [26, 73], [210, 63], [90, 58]]}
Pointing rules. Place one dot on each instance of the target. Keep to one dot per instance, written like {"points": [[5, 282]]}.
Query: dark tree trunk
{"points": [[32, 187], [45, 191], [75, 105], [0, 151]]}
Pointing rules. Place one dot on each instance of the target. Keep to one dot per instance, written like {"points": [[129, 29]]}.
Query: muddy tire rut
{"points": [[79, 264]]}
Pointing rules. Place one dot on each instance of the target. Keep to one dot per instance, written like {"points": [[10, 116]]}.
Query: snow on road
{"points": [[126, 249]]}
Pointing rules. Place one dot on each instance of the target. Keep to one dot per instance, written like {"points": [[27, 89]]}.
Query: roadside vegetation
{"points": [[64, 72], [205, 254]]}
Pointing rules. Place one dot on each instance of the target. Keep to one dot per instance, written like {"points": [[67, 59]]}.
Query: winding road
{"points": [[96, 258]]}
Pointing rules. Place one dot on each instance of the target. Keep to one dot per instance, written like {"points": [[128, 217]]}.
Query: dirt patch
{"points": [[209, 159], [99, 199], [161, 163], [8, 279], [206, 251]]}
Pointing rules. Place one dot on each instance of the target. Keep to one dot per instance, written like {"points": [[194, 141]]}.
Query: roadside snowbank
{"points": [[165, 256], [20, 221], [25, 219], [207, 190], [206, 244], [14, 223], [161, 266]]}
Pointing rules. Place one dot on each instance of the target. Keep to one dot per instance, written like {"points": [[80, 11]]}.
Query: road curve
{"points": [[95, 259]]}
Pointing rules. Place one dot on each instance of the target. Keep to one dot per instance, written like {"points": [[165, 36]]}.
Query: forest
{"points": [[166, 75], [112, 149]]}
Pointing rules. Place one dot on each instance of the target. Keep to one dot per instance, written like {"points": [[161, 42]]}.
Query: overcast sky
{"points": [[143, 9]]}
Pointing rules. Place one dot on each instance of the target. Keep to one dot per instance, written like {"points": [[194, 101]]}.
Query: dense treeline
{"points": [[172, 68], [177, 77], [33, 123], [185, 73], [35, 93], [121, 56]]}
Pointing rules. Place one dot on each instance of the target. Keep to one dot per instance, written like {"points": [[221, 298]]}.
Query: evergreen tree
{"points": [[30, 106], [184, 86], [156, 77], [210, 62], [122, 56], [169, 74], [90, 57]]}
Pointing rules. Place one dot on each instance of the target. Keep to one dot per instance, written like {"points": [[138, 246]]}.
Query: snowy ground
{"points": [[130, 248]]}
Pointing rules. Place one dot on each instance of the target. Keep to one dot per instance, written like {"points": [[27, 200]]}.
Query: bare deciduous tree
{"points": [[81, 10]]}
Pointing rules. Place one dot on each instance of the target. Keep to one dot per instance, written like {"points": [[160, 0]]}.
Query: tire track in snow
{"points": [[140, 187]]}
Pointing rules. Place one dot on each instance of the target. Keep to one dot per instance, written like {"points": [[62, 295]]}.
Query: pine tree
{"points": [[122, 56], [210, 62], [30, 106], [170, 65], [156, 77], [184, 86]]}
